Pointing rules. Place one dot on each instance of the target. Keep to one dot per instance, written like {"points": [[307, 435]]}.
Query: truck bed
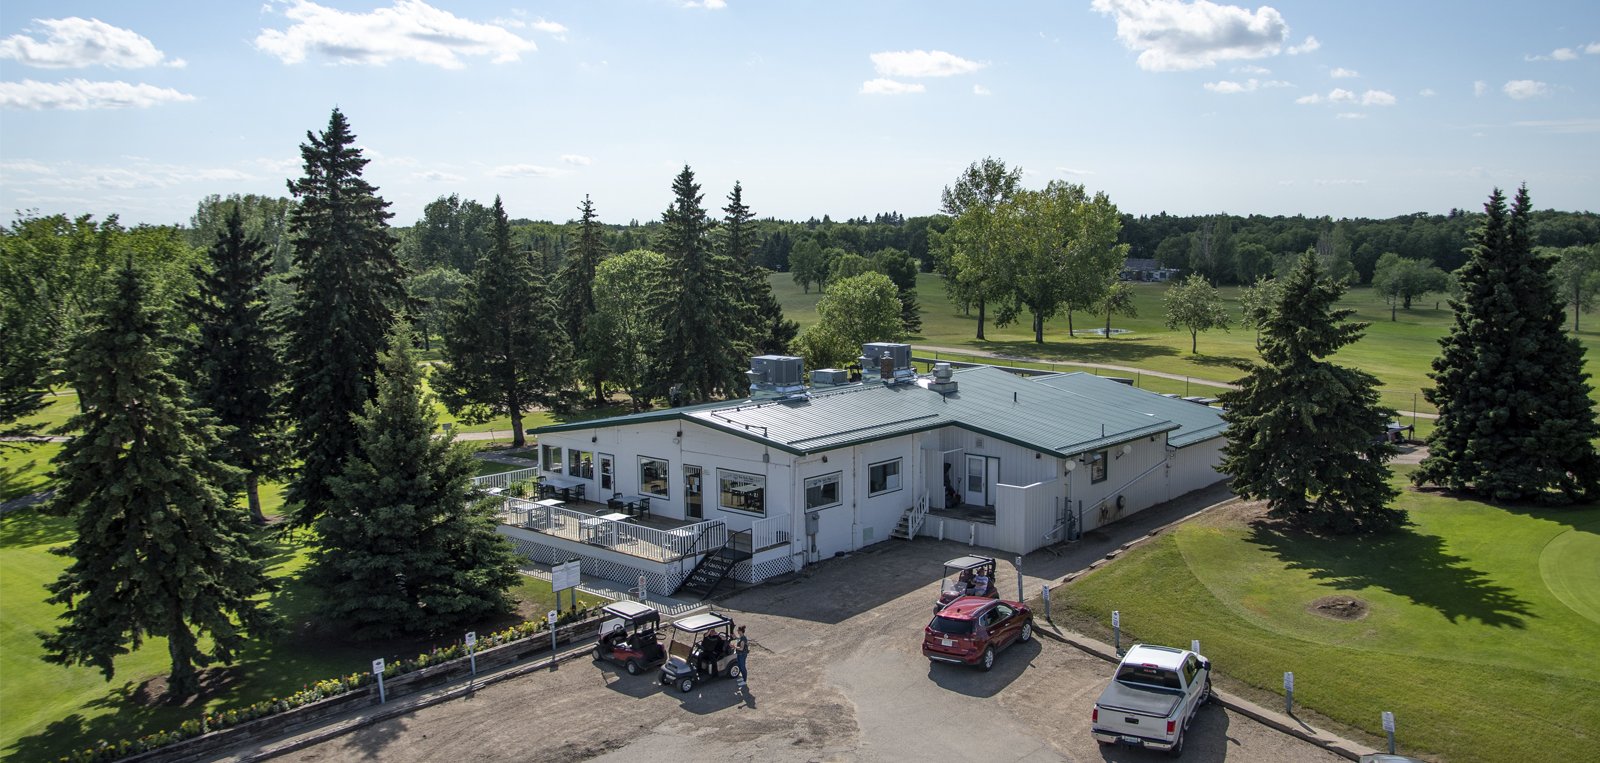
{"points": [[1122, 698]]}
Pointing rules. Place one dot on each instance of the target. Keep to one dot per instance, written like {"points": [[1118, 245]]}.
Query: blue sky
{"points": [[1347, 108]]}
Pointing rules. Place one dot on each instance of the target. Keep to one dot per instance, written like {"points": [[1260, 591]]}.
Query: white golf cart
{"points": [[967, 576], [701, 649]]}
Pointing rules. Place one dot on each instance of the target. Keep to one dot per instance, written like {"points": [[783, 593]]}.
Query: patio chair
{"points": [[616, 504], [644, 508]]}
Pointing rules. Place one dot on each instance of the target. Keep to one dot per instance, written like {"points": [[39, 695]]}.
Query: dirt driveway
{"points": [[836, 675]]}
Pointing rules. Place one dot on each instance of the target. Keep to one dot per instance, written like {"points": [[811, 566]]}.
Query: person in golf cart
{"points": [[630, 638], [967, 576], [701, 649]]}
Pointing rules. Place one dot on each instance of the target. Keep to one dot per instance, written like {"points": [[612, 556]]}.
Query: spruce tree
{"points": [[1515, 420], [504, 348], [232, 369], [1303, 432], [765, 330], [405, 550], [160, 550], [348, 291], [695, 303], [575, 296]]}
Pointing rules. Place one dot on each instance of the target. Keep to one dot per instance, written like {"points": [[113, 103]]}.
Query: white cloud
{"points": [[1251, 69], [882, 86], [1377, 98], [1171, 35], [1229, 87], [436, 176], [980, 90], [1480, 87], [1523, 89], [74, 43], [558, 31], [1427, 92], [1568, 126], [131, 175], [524, 171], [410, 30], [1313, 98], [1341, 95], [576, 159], [1339, 181], [1339, 72], [1305, 47], [1072, 171], [922, 63], [710, 5], [1559, 54], [1592, 48], [78, 95], [1351, 115]]}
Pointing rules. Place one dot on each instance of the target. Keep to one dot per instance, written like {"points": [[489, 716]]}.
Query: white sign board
{"points": [[551, 618], [377, 667], [1388, 721], [1288, 681], [566, 575], [1116, 619], [472, 638]]}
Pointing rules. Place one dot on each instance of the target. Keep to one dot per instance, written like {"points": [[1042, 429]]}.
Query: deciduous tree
{"points": [[1401, 279], [1195, 306], [624, 330], [861, 309], [1305, 433], [975, 238], [1577, 273], [1117, 301], [160, 549], [1515, 419]]}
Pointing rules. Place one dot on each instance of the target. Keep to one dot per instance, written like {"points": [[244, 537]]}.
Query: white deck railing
{"points": [[770, 531], [623, 537], [504, 479], [919, 513]]}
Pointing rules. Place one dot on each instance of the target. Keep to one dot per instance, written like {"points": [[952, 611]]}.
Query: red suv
{"points": [[972, 628]]}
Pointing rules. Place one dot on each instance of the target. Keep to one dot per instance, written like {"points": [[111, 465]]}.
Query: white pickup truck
{"points": [[1152, 699]]}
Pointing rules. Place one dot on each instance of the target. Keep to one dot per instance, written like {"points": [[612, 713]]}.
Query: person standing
{"points": [[741, 651]]}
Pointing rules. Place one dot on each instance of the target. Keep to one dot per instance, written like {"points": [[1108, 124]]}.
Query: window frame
{"points": [[838, 490], [666, 478], [759, 480], [1099, 466], [553, 465], [899, 483]]}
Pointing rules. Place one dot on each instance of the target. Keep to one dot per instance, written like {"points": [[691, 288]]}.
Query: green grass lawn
{"points": [[1482, 624], [48, 709]]}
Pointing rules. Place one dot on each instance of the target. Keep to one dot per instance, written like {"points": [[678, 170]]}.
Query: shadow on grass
{"points": [[1403, 562], [30, 527], [1079, 350]]}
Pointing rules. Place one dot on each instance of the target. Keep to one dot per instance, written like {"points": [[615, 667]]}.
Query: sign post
{"points": [[472, 651], [1046, 595], [1194, 645], [1288, 694], [377, 670], [1116, 631], [551, 618], [1388, 728], [1019, 579]]}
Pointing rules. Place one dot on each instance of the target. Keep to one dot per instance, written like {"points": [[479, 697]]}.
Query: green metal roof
{"points": [[1062, 414]]}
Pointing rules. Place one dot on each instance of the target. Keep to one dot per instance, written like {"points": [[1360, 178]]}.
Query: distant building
{"points": [[1145, 269]]}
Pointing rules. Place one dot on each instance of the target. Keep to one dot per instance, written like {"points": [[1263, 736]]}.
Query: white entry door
{"points": [[976, 490]]}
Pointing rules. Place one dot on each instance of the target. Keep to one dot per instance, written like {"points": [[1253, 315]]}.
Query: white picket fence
{"points": [[769, 531], [624, 537], [504, 479]]}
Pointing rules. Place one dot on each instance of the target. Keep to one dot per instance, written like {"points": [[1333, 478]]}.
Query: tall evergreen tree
{"points": [[766, 331], [232, 369], [1301, 429], [695, 303], [504, 348], [1515, 421], [405, 550], [348, 291], [575, 296], [160, 549]]}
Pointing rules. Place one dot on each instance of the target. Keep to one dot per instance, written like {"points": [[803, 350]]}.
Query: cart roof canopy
{"points": [[631, 610], [968, 562], [702, 622]]}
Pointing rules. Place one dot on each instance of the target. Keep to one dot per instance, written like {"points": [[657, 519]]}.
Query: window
{"points": [[883, 477], [552, 458], [653, 476], [822, 491], [1097, 466], [580, 463], [607, 484], [742, 492]]}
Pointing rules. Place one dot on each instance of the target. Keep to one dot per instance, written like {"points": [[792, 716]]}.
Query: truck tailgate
{"points": [[1121, 698]]}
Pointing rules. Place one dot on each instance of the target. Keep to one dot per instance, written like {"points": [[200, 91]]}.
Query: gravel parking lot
{"points": [[836, 675]]}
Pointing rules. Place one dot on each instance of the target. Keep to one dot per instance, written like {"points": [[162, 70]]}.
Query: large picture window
{"points": [[1097, 466], [580, 463], [653, 477], [552, 458], [883, 477], [822, 491], [738, 491]]}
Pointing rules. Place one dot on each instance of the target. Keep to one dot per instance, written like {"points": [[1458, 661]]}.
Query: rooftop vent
{"points": [[943, 379], [887, 361], [829, 377], [775, 377]]}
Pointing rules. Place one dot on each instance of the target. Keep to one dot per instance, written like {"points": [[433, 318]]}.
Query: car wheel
{"points": [[686, 685], [1027, 633], [1205, 696], [633, 667], [599, 654], [1177, 746], [734, 672], [987, 662]]}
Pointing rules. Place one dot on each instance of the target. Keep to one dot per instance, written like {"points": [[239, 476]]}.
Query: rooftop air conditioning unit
{"points": [[829, 377], [775, 376]]}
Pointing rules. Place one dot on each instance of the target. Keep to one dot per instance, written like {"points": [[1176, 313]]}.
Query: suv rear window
{"points": [[1148, 676], [951, 626]]}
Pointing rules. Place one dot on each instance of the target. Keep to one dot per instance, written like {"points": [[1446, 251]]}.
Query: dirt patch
{"points": [[214, 682], [1235, 513], [1339, 607]]}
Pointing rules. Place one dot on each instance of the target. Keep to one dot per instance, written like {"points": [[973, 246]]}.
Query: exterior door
{"points": [[692, 492], [976, 488], [608, 483]]}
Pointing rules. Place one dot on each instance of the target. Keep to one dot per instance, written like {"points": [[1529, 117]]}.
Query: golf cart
{"points": [[961, 578], [701, 649], [630, 638]]}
